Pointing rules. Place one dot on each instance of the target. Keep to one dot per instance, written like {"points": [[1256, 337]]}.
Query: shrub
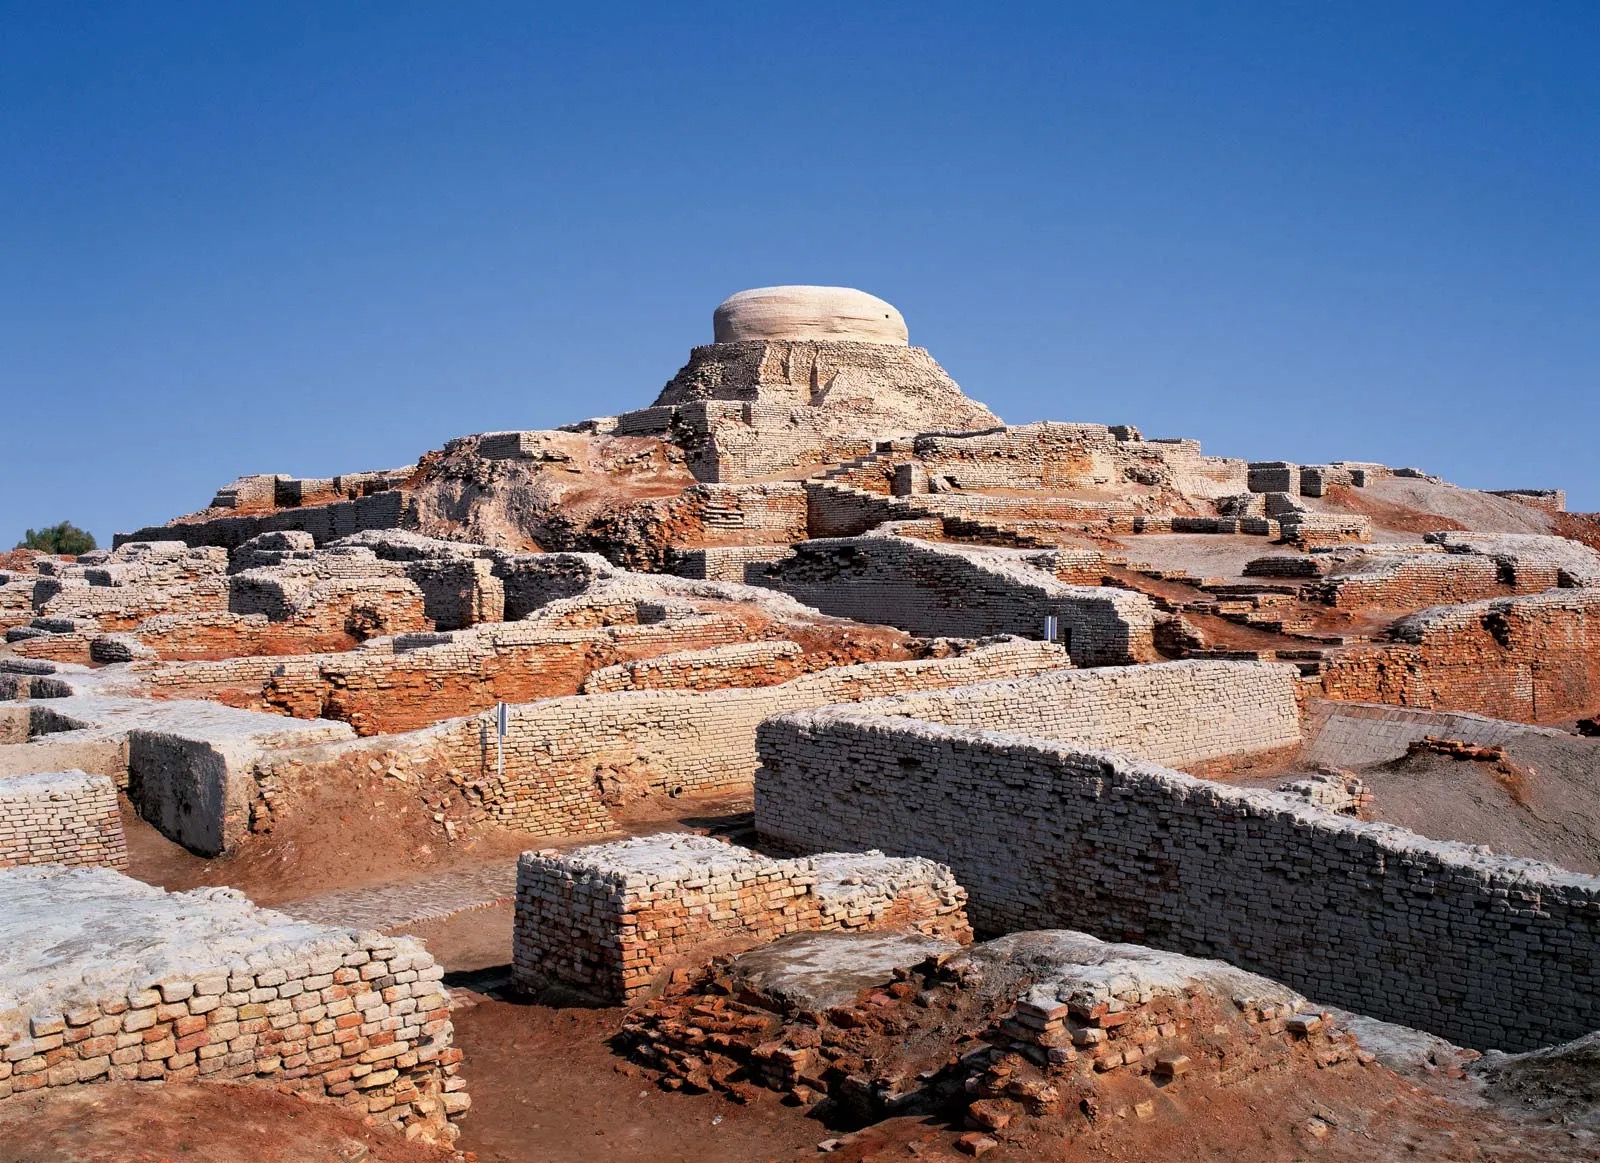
{"points": [[63, 538]]}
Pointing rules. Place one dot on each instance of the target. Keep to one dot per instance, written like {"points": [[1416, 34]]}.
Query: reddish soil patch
{"points": [[1584, 527], [175, 1122], [1386, 514], [376, 831]]}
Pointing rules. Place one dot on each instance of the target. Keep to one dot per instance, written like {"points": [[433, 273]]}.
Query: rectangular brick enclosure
{"points": [[610, 919], [60, 817], [103, 977]]}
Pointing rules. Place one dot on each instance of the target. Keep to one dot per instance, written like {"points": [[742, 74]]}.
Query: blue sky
{"points": [[313, 238]]}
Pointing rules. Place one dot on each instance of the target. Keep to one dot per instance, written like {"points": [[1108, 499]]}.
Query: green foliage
{"points": [[63, 538]]}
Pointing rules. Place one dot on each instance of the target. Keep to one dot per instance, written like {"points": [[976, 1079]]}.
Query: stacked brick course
{"points": [[62, 817], [102, 977], [612, 918]]}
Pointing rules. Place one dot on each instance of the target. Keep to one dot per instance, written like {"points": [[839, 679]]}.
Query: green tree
{"points": [[63, 538]]}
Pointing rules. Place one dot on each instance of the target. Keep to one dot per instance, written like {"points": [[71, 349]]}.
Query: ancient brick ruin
{"points": [[1068, 685]]}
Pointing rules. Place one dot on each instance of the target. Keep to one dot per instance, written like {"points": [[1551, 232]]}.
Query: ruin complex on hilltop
{"points": [[1203, 747]]}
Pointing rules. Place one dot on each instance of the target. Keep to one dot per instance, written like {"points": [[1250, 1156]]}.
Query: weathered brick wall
{"points": [[734, 563], [559, 752], [1413, 581], [1431, 934], [942, 590], [204, 985], [325, 523], [773, 513], [612, 918], [743, 664], [379, 692], [1550, 500], [1534, 658], [61, 817], [1358, 734], [1170, 712]]}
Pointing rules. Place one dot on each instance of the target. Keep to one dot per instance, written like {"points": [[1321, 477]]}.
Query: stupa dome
{"points": [[836, 314]]}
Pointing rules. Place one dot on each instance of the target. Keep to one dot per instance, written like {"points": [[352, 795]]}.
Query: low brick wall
{"points": [[60, 817], [102, 977], [1484, 950], [560, 753], [1534, 659], [1413, 581], [1169, 712], [611, 919], [941, 590]]}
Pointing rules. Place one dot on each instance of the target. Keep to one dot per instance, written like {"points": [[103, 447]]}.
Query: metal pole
{"points": [[500, 741]]}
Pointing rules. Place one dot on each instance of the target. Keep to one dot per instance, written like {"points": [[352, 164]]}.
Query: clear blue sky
{"points": [[313, 238]]}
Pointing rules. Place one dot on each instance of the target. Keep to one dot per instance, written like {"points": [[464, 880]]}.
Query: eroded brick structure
{"points": [[107, 978], [612, 918]]}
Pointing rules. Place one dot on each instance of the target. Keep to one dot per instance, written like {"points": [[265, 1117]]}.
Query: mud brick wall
{"points": [[938, 590], [63, 817], [325, 523], [360, 1019], [837, 510], [1171, 712], [612, 918], [744, 664], [1532, 659], [1274, 476], [1413, 581], [1317, 530], [123, 607], [734, 563], [1033, 456], [561, 753], [1431, 934], [379, 692], [533, 580], [1550, 500], [759, 513]]}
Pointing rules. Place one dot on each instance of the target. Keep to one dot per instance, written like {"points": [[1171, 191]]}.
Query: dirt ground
{"points": [[1548, 810], [372, 833], [174, 1122], [547, 1086]]}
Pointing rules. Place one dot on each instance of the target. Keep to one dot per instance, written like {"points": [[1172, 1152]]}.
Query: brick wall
{"points": [[1533, 659], [1412, 581], [62, 817], [566, 759], [1431, 934], [942, 590], [1172, 712], [249, 997], [612, 918], [743, 664]]}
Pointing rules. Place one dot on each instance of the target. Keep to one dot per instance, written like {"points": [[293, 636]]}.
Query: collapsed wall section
{"points": [[943, 590], [60, 817], [1432, 934], [612, 918], [102, 977]]}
